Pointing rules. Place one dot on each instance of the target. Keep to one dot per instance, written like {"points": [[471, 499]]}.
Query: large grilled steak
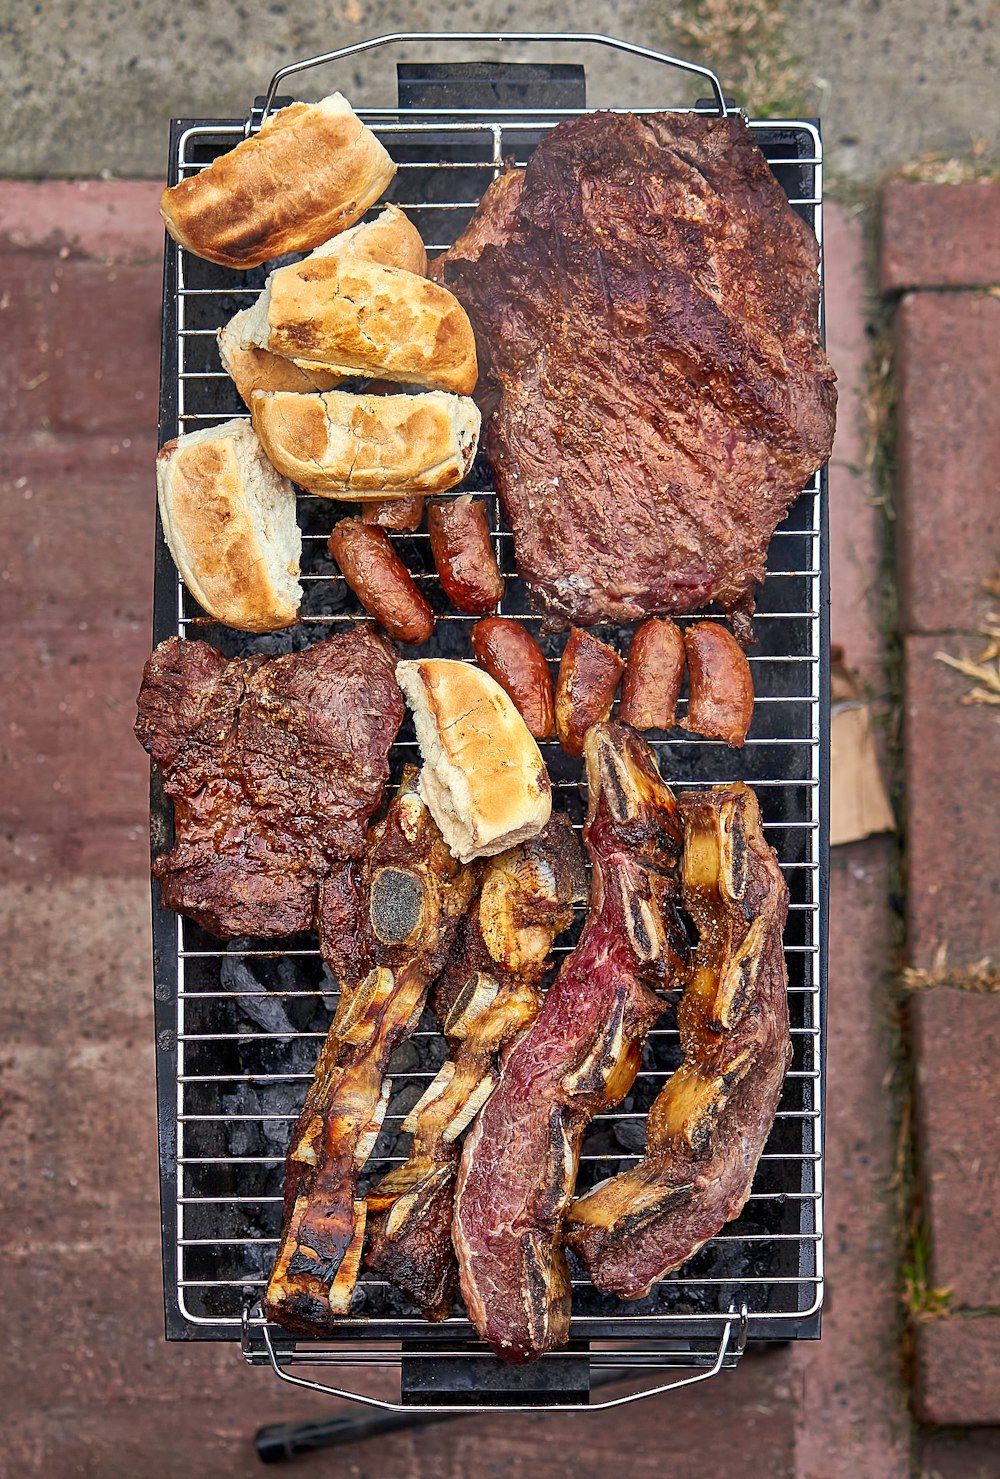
{"points": [[581, 1056], [709, 1125], [275, 765], [645, 304]]}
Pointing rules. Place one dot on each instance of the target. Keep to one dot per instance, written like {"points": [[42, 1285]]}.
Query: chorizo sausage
{"points": [[463, 553], [403, 513], [720, 704], [380, 580], [589, 674], [653, 676], [511, 655]]}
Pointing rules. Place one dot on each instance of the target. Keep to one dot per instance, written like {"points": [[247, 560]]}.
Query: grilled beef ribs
{"points": [[386, 926], [486, 997], [645, 306], [275, 765], [581, 1055], [708, 1126]]}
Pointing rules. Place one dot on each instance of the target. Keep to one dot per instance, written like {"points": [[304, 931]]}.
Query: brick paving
{"points": [[100, 1393], [949, 561]]}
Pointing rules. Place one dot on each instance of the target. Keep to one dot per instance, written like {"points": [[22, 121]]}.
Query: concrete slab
{"points": [[90, 87]]}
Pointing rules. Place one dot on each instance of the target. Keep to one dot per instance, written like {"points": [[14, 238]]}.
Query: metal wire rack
{"points": [[239, 1025]]}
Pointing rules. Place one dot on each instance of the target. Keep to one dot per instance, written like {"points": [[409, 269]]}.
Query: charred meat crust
{"points": [[649, 303], [274, 764], [708, 1127], [581, 1055]]}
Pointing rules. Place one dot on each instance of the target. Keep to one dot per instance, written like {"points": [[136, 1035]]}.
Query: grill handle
{"points": [[396, 38]]}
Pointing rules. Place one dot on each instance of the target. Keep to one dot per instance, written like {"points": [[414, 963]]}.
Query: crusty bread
{"points": [[368, 446], [362, 318], [311, 171], [391, 238], [229, 521], [483, 778]]}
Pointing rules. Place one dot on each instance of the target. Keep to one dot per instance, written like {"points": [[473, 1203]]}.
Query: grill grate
{"points": [[239, 1026]]}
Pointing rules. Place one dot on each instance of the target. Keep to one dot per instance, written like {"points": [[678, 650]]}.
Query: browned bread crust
{"points": [[368, 446], [311, 171]]}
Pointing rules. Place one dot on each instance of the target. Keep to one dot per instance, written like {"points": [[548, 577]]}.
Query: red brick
{"points": [[956, 1044], [948, 450], [952, 759], [960, 1455], [957, 1364], [106, 346], [27, 350], [940, 236], [96, 218]]}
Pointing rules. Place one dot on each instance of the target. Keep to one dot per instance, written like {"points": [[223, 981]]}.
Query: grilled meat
{"points": [[386, 926], [580, 1056], [486, 997], [275, 765], [646, 303], [707, 1128]]}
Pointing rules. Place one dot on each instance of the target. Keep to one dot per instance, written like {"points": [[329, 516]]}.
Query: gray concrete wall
{"points": [[89, 87]]}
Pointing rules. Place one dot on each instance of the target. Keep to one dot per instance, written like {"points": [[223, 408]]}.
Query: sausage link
{"points": [[403, 514], [380, 580], [463, 553], [653, 676], [585, 689], [513, 657], [720, 703]]}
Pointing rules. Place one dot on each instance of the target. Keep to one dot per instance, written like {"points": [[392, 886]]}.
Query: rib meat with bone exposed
{"points": [[708, 1127], [581, 1055], [487, 996], [386, 927]]}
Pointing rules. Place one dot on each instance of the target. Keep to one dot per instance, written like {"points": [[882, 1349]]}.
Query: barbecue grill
{"points": [[239, 1025]]}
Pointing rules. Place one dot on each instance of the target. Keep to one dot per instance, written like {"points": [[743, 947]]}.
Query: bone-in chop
{"points": [[581, 1055], [386, 926], [487, 995], [707, 1128]]}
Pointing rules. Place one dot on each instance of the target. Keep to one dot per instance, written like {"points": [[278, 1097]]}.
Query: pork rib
{"points": [[386, 926], [708, 1127], [487, 995], [645, 304], [581, 1055]]}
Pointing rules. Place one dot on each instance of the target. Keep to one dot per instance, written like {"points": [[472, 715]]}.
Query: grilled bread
{"points": [[483, 777], [391, 238], [229, 520], [311, 171], [368, 446], [362, 318]]}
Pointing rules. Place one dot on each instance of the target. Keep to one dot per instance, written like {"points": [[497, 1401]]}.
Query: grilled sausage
{"points": [[653, 676], [380, 580], [403, 513], [463, 553], [720, 705], [589, 675], [513, 657]]}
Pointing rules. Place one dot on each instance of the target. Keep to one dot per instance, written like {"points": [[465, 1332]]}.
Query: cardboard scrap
{"points": [[859, 805]]}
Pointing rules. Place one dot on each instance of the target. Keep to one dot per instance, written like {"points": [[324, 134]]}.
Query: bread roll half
{"points": [[229, 520], [483, 777], [363, 318], [368, 446], [311, 171], [391, 238]]}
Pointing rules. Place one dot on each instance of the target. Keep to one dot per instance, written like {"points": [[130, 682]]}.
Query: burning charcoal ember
{"points": [[386, 926], [485, 999], [580, 1057], [708, 1127]]}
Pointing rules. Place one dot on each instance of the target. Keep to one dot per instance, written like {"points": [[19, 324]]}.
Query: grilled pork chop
{"points": [[645, 304], [275, 765], [581, 1055], [707, 1128]]}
